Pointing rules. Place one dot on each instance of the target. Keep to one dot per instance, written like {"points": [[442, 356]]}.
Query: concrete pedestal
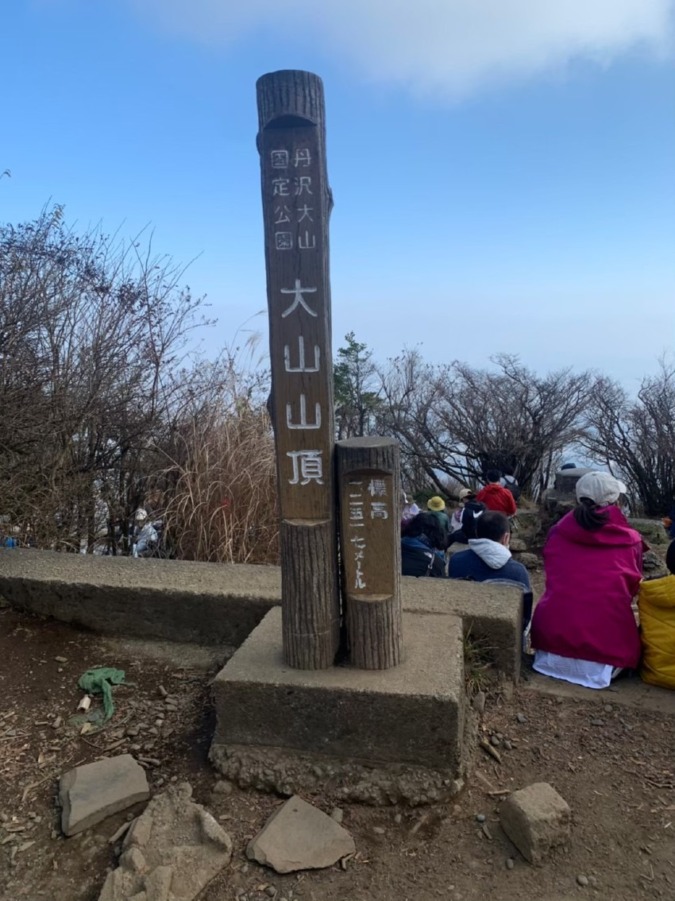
{"points": [[391, 735]]}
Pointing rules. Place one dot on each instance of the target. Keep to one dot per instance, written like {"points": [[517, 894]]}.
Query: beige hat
{"points": [[436, 504], [466, 492], [600, 487]]}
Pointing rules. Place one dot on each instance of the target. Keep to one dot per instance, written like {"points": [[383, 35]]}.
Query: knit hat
{"points": [[601, 487], [436, 504], [466, 492]]}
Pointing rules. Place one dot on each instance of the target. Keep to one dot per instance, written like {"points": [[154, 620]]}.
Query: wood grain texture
{"points": [[369, 489]]}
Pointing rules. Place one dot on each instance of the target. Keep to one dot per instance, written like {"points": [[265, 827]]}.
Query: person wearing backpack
{"points": [[470, 511]]}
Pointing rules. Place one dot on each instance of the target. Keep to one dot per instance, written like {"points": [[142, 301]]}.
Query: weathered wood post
{"points": [[370, 487], [296, 207]]}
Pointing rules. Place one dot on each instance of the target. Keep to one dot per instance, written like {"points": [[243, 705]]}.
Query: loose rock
{"points": [[92, 792], [536, 819], [300, 837], [170, 852], [222, 787], [582, 880]]}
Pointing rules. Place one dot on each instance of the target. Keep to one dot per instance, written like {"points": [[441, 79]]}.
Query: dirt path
{"points": [[613, 763]]}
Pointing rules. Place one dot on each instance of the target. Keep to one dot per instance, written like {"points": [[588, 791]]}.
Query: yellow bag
{"points": [[656, 603]]}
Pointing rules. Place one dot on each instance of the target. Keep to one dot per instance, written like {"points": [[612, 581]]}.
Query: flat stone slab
{"points": [[220, 604], [170, 853], [299, 836], [536, 819], [94, 791]]}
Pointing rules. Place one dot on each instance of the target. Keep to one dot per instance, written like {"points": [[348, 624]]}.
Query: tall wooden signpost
{"points": [[296, 207]]}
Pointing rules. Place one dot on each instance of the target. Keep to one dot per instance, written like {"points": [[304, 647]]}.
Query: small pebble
{"points": [[608, 708], [337, 814], [597, 722], [521, 717], [271, 891], [510, 863], [507, 745], [494, 741], [222, 787], [480, 817], [398, 818], [378, 830], [582, 880]]}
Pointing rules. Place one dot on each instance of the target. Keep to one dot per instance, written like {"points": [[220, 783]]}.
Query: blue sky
{"points": [[503, 170]]}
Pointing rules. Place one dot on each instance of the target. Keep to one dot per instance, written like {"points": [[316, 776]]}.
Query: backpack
{"points": [[511, 483], [418, 561], [472, 511]]}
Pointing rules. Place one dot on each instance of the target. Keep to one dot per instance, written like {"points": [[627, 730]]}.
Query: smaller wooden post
{"points": [[369, 487]]}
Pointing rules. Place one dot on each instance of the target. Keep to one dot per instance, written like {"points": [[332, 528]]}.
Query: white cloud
{"points": [[441, 46]]}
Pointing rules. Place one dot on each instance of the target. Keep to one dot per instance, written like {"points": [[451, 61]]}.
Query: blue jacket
{"points": [[468, 565], [418, 558]]}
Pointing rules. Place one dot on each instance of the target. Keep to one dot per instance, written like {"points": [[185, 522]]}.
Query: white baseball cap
{"points": [[600, 487]]}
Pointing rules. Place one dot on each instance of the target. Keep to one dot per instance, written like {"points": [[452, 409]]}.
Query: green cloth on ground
{"points": [[100, 681]]}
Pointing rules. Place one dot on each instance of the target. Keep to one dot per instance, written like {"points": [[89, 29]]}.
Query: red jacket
{"points": [[591, 579], [497, 498]]}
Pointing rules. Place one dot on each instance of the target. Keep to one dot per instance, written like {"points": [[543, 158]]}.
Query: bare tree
{"points": [[457, 421], [636, 437], [90, 330]]}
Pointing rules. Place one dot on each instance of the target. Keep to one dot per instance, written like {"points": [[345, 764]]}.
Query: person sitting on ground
{"points": [[422, 547], [656, 605], [489, 557], [469, 512], [495, 497], [436, 506], [465, 494], [583, 628]]}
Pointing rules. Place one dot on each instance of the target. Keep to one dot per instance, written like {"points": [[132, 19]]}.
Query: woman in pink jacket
{"points": [[583, 628]]}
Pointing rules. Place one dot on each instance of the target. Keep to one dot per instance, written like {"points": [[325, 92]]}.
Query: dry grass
{"points": [[223, 503], [479, 666]]}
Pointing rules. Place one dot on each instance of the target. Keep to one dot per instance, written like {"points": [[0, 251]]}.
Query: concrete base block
{"points": [[394, 734]]}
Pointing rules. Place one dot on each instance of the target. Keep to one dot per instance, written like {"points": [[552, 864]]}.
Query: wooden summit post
{"points": [[296, 206], [370, 489]]}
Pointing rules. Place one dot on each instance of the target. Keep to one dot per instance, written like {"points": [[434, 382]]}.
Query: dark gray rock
{"points": [[94, 791]]}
